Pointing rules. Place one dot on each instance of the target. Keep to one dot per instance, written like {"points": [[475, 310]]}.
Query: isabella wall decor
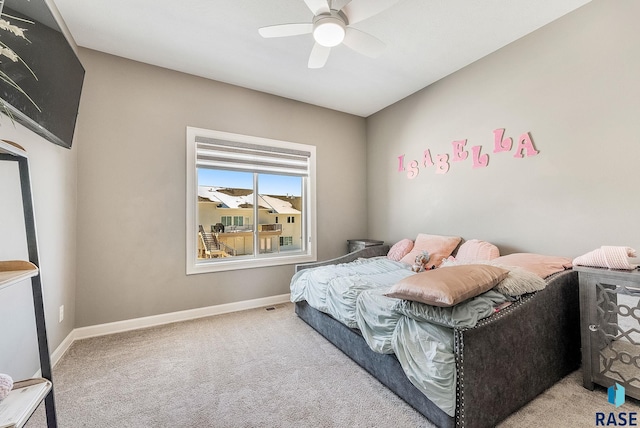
{"points": [[441, 162]]}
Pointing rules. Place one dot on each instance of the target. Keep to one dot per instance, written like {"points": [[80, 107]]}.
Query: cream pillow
{"points": [[520, 281], [439, 247], [448, 286]]}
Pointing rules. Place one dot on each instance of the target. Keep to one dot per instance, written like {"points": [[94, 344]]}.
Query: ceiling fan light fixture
{"points": [[329, 31]]}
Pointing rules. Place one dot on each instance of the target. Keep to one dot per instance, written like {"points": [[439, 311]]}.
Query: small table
{"points": [[610, 328], [361, 244]]}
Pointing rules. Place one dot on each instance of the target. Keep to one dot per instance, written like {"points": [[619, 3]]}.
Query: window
{"points": [[237, 187], [235, 220], [286, 240]]}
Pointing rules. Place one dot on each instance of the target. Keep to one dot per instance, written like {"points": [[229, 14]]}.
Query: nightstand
{"points": [[360, 244], [610, 328]]}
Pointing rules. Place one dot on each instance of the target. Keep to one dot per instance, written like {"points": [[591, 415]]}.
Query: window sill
{"points": [[240, 264]]}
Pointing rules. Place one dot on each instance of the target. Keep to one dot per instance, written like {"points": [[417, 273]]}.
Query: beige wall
{"points": [[53, 182], [131, 186], [573, 85]]}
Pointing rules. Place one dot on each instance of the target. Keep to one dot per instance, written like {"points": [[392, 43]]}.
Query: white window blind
{"points": [[240, 156]]}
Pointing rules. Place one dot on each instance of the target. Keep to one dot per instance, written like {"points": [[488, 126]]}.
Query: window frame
{"points": [[309, 221]]}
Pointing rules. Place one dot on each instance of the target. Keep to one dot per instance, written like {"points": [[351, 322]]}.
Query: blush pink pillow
{"points": [[541, 265], [439, 247], [448, 286], [400, 249], [475, 249]]}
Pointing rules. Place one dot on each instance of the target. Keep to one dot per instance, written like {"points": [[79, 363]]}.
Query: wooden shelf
{"points": [[13, 271], [11, 148], [22, 401]]}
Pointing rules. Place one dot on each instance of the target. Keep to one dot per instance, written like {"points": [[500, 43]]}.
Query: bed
{"points": [[499, 362]]}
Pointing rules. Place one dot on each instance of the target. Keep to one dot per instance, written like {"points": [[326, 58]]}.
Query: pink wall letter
{"points": [[413, 170], [443, 164], [479, 161], [426, 158], [459, 154], [400, 163], [525, 143], [501, 145]]}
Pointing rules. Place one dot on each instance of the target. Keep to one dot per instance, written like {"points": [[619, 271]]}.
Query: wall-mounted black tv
{"points": [[48, 103]]}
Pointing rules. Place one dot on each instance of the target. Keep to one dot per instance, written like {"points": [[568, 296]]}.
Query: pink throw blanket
{"points": [[608, 257]]}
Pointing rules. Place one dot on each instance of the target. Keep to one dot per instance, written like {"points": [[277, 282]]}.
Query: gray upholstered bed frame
{"points": [[502, 363]]}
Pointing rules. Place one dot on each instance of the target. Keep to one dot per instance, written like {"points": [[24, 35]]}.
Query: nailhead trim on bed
{"points": [[458, 350], [458, 346]]}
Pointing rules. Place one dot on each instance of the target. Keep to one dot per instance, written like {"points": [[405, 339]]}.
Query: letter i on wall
{"points": [[400, 163]]}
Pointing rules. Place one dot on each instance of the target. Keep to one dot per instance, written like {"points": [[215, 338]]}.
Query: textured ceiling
{"points": [[425, 41]]}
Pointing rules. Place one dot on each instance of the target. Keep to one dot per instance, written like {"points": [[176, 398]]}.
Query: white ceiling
{"points": [[218, 39]]}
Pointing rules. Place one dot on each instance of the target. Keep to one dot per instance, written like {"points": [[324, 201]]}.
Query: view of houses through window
{"points": [[228, 204]]}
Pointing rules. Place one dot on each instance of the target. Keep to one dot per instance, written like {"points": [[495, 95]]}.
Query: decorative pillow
{"points": [[475, 249], [400, 249], [448, 286], [438, 247], [541, 265], [519, 281]]}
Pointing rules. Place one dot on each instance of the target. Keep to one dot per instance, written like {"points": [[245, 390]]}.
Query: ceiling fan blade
{"points": [[363, 43], [318, 6], [285, 30], [359, 10], [319, 56]]}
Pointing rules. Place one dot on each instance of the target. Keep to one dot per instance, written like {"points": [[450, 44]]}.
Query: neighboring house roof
{"points": [[276, 205], [225, 201], [207, 192]]}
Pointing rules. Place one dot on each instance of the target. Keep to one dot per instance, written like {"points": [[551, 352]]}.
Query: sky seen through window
{"points": [[269, 184]]}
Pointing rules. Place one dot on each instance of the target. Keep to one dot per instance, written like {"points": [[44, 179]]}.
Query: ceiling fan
{"points": [[331, 27]]}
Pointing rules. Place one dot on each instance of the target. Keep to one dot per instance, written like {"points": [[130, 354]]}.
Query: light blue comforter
{"points": [[421, 336]]}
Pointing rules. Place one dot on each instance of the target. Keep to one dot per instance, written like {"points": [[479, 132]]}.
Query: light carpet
{"points": [[255, 368]]}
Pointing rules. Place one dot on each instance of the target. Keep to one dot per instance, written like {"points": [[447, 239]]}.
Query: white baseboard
{"points": [[154, 320], [62, 348]]}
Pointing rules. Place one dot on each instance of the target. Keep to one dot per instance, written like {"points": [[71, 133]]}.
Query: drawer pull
{"points": [[593, 327]]}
